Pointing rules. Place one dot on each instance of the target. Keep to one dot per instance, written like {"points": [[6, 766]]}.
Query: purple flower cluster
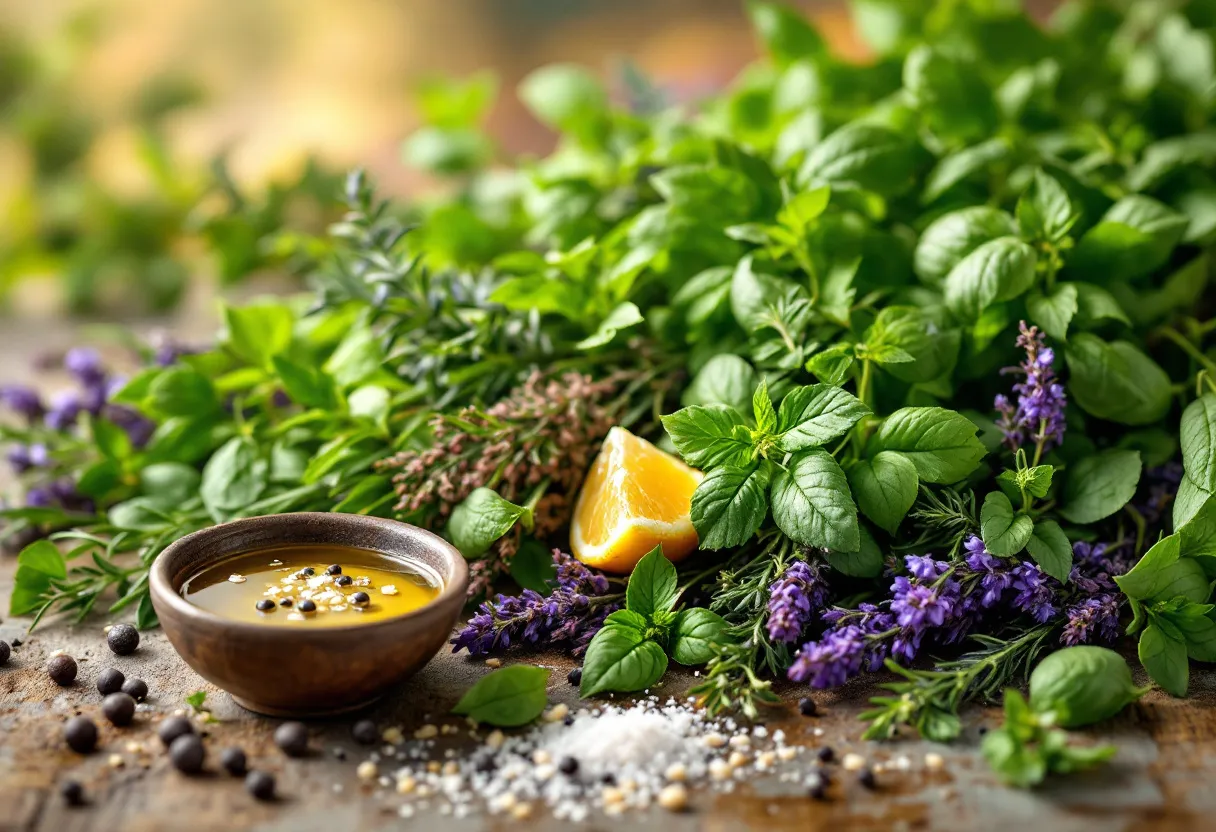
{"points": [[947, 601], [568, 616], [793, 600], [1038, 416]]}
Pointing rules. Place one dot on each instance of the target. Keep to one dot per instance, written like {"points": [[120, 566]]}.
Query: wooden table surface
{"points": [[1163, 777]]}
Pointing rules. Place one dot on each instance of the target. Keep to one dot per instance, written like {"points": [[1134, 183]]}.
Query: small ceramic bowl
{"points": [[284, 671]]}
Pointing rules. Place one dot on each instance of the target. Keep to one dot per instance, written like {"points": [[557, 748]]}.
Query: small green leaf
{"points": [[1004, 532], [939, 442], [622, 317], [812, 503], [234, 477], [730, 504], [705, 436], [621, 659], [1144, 580], [996, 271], [1100, 485], [481, 519], [762, 408], [815, 415], [507, 697], [1055, 310], [1165, 660], [532, 566], [885, 488], [652, 585], [725, 379], [256, 332], [866, 562], [696, 633], [1049, 547]]}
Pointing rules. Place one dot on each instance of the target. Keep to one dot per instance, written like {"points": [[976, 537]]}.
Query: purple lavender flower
{"points": [[832, 660], [1035, 592], [25, 457], [39, 497], [917, 606], [793, 599], [22, 400], [1038, 416], [169, 351], [568, 616], [995, 574], [64, 410], [139, 428], [85, 364], [1096, 617], [925, 568]]}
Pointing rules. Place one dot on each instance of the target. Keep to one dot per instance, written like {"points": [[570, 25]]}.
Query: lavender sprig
{"points": [[1038, 416], [795, 598]]}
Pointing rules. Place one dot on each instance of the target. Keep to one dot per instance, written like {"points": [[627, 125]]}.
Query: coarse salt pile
{"points": [[609, 759]]}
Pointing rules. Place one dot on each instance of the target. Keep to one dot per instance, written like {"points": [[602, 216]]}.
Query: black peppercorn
{"points": [[866, 778], [568, 720], [292, 739], [73, 793], [365, 732], [826, 754], [575, 677], [286, 602], [62, 669], [819, 791], [345, 580], [81, 734], [806, 706], [567, 765], [187, 753], [307, 606], [172, 728], [486, 764], [308, 571], [260, 784], [5, 652], [609, 779], [360, 599], [123, 639], [137, 689], [265, 605], [110, 681], [119, 708], [16, 643], [334, 570], [234, 762]]}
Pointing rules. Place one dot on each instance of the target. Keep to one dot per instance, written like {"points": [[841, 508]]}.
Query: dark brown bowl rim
{"points": [[162, 589]]}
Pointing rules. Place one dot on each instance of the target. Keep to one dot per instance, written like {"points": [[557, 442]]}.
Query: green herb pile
{"points": [[934, 327]]}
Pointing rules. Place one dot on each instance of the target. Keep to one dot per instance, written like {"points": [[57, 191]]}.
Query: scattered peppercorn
{"points": [[172, 728], [260, 784], [575, 677], [292, 738], [826, 754], [365, 732], [73, 792], [62, 669], [307, 606], [983, 730], [866, 778], [234, 762], [187, 753], [819, 791], [81, 734], [609, 779], [123, 639], [806, 706], [119, 708], [345, 580], [265, 605], [110, 681], [286, 602], [360, 599], [137, 689], [5, 652], [308, 571], [335, 569], [568, 765], [16, 642], [486, 764], [569, 720]]}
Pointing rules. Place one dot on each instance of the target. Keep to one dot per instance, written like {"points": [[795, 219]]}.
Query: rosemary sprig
{"points": [[942, 520]]}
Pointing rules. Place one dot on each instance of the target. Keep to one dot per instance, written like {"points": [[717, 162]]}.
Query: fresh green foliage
{"points": [[197, 702], [1082, 685], [1026, 749], [507, 697]]}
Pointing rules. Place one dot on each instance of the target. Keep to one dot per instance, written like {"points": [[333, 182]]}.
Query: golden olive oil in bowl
{"points": [[311, 585]]}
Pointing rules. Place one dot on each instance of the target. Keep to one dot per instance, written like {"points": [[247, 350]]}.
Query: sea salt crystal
{"points": [[388, 590], [237, 579]]}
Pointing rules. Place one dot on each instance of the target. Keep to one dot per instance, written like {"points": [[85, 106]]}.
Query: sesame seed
{"points": [[853, 762], [367, 771], [934, 761], [492, 662], [674, 798]]}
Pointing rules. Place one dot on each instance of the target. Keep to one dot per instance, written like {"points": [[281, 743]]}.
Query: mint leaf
{"points": [[815, 415], [762, 407], [812, 503], [939, 442], [1165, 660], [784, 33], [507, 697], [1049, 547], [885, 488], [1055, 310], [725, 379], [999, 270], [1004, 532], [233, 478], [622, 317], [256, 332], [621, 659], [1100, 485], [1198, 438], [1144, 580], [652, 585], [729, 505], [1045, 212], [695, 633], [481, 519], [705, 436], [832, 365], [1116, 381], [953, 236]]}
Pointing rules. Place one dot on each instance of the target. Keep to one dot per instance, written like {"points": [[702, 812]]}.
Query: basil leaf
{"points": [[1045, 211], [729, 505], [532, 566], [1049, 547], [1199, 631], [1184, 578], [1144, 580], [696, 631], [1004, 532], [256, 332], [622, 317], [307, 385], [1165, 158], [1054, 311], [753, 296], [999, 270], [621, 659], [1165, 660], [812, 503], [931, 350], [182, 391], [481, 519], [726, 380], [939, 442], [815, 415], [964, 164], [1116, 381], [652, 585], [507, 697], [1095, 306], [832, 365], [705, 436], [38, 565], [762, 408], [885, 488], [627, 618], [866, 562], [358, 358], [1133, 239], [784, 33], [869, 156], [1197, 537], [951, 237], [1190, 499], [233, 478], [1099, 485], [1198, 438], [169, 484], [566, 97], [949, 93]]}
